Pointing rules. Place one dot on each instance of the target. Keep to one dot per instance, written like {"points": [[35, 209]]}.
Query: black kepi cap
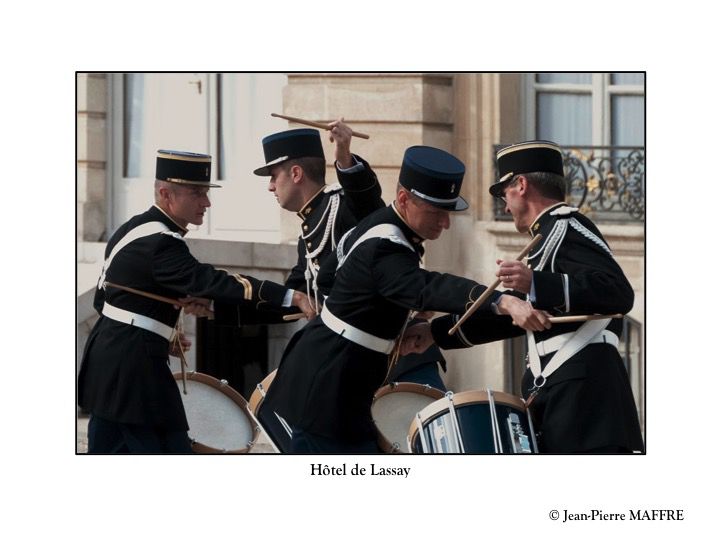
{"points": [[526, 157], [435, 176], [184, 168], [291, 144]]}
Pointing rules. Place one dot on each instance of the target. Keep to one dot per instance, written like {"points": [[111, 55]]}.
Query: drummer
{"points": [[326, 381], [125, 382], [585, 404]]}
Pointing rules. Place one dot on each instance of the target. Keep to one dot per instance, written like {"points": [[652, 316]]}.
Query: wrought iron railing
{"points": [[607, 183]]}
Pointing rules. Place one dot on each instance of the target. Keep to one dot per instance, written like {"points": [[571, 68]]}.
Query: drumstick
{"points": [[294, 317], [317, 124], [484, 296], [583, 318], [146, 294]]}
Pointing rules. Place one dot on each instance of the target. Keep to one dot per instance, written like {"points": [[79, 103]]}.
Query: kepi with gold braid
{"points": [[181, 167], [526, 157]]}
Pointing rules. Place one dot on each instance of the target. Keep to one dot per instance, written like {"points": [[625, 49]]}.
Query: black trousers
{"points": [[108, 437]]}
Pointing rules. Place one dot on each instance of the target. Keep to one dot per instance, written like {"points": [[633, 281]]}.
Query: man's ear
{"points": [[164, 192], [522, 184], [296, 174], [402, 197]]}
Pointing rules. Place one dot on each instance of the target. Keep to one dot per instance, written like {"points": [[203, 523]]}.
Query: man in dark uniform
{"points": [[125, 381], [295, 163], [327, 378], [577, 386]]}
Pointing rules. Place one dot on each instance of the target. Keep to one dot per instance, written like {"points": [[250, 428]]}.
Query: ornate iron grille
{"points": [[607, 183]]}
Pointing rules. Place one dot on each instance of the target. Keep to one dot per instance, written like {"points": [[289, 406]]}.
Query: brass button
{"points": [[308, 210], [309, 244], [305, 227]]}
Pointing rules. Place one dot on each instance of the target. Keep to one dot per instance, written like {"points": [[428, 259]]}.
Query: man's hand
{"points": [[515, 275], [200, 307], [300, 300], [416, 339], [178, 343], [523, 314], [341, 135]]}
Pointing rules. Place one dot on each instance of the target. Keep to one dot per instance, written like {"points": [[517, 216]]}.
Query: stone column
{"points": [[91, 156]]}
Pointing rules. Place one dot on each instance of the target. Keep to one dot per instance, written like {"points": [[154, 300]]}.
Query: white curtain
{"points": [[564, 118]]}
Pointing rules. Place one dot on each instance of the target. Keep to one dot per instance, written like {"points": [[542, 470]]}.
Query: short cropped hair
{"points": [[313, 167], [549, 185]]}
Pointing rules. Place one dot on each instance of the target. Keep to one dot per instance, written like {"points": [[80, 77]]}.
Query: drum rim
{"points": [[461, 399], [236, 397], [256, 398], [411, 387], [405, 387]]}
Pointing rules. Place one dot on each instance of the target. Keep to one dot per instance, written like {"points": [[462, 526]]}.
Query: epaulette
{"points": [[332, 188], [564, 211]]}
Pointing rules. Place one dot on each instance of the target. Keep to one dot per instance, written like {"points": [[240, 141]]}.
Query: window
{"points": [[587, 109], [599, 121]]}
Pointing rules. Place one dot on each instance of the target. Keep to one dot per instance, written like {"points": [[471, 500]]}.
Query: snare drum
{"points": [[474, 422], [393, 409], [217, 415], [277, 431]]}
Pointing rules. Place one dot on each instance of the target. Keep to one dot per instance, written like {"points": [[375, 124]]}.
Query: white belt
{"points": [[356, 335], [141, 321], [555, 343]]}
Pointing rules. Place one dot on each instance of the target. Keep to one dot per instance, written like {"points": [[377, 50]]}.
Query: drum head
{"points": [[216, 415], [394, 408]]}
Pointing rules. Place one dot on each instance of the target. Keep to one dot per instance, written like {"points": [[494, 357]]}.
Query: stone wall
{"points": [[92, 157]]}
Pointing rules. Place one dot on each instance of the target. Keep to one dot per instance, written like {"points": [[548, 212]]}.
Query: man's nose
{"points": [[205, 201], [445, 220], [271, 186]]}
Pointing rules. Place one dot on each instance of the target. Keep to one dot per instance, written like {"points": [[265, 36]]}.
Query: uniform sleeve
{"points": [[401, 281], [586, 279], [175, 268], [481, 327], [362, 191]]}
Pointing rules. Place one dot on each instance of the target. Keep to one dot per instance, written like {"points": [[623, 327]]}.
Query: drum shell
{"points": [[397, 390], [475, 422], [226, 390], [257, 397]]}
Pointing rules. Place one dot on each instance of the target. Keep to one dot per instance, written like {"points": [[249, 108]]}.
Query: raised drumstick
{"points": [[316, 124]]}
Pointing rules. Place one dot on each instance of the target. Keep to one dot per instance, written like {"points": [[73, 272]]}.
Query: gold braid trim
{"points": [[246, 284]]}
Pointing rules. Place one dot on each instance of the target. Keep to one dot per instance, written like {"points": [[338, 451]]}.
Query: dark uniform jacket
{"points": [[125, 376], [587, 403], [358, 195], [325, 383]]}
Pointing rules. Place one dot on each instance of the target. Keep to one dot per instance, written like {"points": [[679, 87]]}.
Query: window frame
{"points": [[599, 89]]}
